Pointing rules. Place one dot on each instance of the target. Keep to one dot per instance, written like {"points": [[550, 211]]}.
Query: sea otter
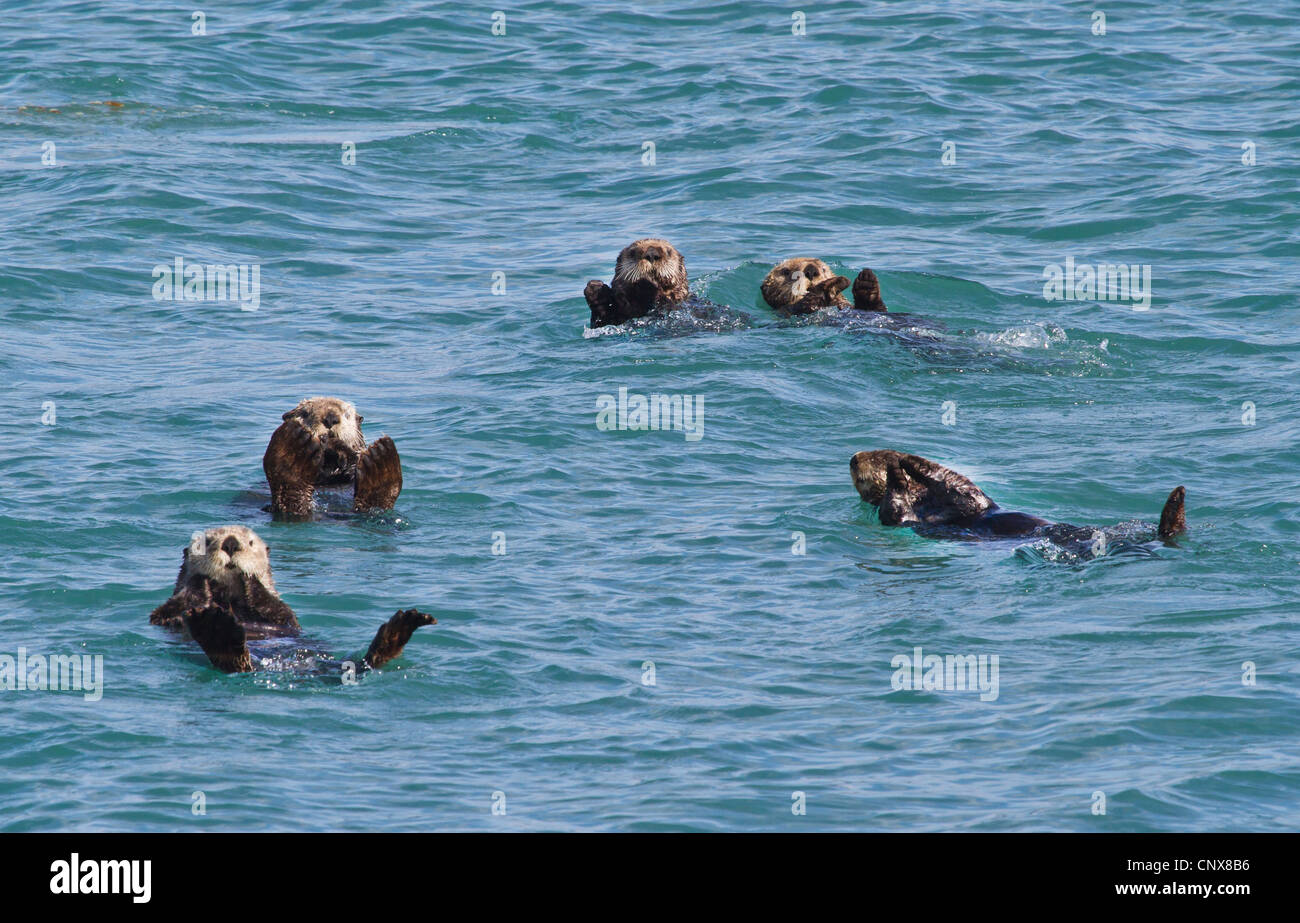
{"points": [[913, 491], [649, 275], [802, 285], [225, 596], [319, 444]]}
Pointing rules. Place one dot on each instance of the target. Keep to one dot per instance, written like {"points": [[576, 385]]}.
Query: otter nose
{"points": [[653, 253], [230, 545], [331, 420], [796, 275]]}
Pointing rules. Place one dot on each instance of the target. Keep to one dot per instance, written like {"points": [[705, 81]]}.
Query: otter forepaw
{"points": [[866, 292], [222, 638], [379, 476], [393, 635], [644, 294], [197, 594], [895, 506], [598, 295], [825, 295], [292, 463], [600, 298]]}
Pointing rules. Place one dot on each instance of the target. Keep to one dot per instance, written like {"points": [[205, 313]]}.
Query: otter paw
{"points": [[644, 294], [866, 292], [895, 506], [600, 298], [292, 463], [598, 294], [222, 638], [379, 477], [393, 635], [825, 295]]}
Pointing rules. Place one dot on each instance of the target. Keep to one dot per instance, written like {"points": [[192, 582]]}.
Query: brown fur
{"points": [[320, 444], [649, 275], [802, 285], [225, 596], [913, 491]]}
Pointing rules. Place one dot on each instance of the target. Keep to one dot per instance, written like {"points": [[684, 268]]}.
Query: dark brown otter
{"points": [[649, 275], [225, 596], [320, 445], [913, 491], [802, 285]]}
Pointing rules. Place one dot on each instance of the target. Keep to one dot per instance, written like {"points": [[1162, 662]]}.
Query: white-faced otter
{"points": [[225, 596], [649, 275], [802, 285], [319, 444], [913, 491]]}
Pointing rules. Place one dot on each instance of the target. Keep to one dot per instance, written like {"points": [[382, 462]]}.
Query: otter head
{"points": [[790, 280], [870, 471], [225, 555], [336, 425], [654, 259]]}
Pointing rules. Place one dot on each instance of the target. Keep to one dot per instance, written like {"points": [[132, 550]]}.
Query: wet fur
{"points": [[225, 597], [913, 491], [649, 275], [802, 285], [320, 444]]}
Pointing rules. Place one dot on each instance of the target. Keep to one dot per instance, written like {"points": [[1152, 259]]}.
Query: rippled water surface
{"points": [[525, 155]]}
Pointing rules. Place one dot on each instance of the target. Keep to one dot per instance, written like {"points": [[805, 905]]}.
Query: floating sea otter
{"points": [[225, 596], [649, 275], [937, 501], [320, 445], [802, 285]]}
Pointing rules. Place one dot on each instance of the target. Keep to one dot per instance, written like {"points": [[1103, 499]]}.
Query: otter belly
{"points": [[1008, 523]]}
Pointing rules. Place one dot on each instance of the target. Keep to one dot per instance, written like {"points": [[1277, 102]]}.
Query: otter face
{"points": [[336, 425], [870, 471], [226, 553], [791, 279], [654, 259]]}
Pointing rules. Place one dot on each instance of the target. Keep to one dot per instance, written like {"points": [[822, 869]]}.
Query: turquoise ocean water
{"points": [[483, 160]]}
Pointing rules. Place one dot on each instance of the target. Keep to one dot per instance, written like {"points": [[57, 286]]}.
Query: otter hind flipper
{"points": [[292, 462], [1173, 519], [393, 635], [866, 292], [222, 638], [379, 477]]}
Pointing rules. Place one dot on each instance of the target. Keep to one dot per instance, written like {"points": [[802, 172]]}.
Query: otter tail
{"points": [[393, 635], [1172, 519]]}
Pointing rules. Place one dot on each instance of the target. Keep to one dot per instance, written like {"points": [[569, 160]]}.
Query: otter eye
{"points": [[360, 419], [810, 270]]}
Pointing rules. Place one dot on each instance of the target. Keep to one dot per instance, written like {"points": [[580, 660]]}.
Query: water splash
{"points": [[694, 316]]}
